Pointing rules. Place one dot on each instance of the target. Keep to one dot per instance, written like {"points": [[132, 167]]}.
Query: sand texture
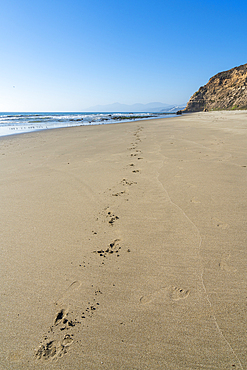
{"points": [[124, 246]]}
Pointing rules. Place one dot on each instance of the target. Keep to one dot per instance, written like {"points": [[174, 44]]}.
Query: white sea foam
{"points": [[17, 123]]}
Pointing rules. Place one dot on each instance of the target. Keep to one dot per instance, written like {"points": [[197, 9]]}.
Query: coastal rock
{"points": [[224, 91]]}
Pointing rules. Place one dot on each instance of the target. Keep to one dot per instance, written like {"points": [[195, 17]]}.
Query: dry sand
{"points": [[124, 246]]}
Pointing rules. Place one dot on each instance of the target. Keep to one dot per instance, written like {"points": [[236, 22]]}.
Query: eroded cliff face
{"points": [[226, 90]]}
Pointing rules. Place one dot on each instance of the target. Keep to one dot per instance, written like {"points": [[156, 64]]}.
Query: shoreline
{"points": [[23, 123], [123, 246]]}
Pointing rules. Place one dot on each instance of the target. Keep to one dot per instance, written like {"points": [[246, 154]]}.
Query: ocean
{"points": [[17, 123]]}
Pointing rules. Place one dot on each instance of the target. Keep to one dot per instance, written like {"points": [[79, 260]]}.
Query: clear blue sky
{"points": [[69, 55]]}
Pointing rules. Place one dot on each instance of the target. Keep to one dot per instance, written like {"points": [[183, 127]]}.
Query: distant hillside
{"points": [[118, 107], [173, 109], [225, 90]]}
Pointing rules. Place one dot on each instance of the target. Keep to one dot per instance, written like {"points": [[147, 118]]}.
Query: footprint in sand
{"points": [[178, 293], [224, 264], [194, 200], [118, 194], [172, 293], [113, 247], [49, 351], [219, 223], [54, 349], [111, 218], [67, 340], [67, 296], [126, 182], [158, 296], [61, 316]]}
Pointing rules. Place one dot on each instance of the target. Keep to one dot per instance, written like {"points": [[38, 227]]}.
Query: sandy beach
{"points": [[124, 246]]}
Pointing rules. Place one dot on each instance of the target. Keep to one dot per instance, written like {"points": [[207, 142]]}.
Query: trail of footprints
{"points": [[173, 293], [137, 152], [60, 335]]}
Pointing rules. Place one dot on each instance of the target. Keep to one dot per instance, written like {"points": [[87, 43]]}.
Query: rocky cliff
{"points": [[226, 90]]}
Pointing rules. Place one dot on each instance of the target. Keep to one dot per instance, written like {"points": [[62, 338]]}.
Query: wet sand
{"points": [[124, 246]]}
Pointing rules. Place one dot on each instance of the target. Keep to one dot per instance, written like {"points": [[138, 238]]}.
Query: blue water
{"points": [[17, 123]]}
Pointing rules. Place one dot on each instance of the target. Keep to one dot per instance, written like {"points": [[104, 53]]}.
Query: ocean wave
{"points": [[27, 122]]}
